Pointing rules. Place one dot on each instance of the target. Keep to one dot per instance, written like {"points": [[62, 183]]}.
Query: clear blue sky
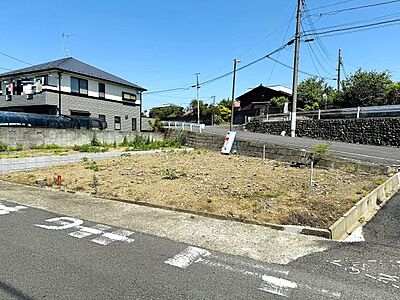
{"points": [[161, 44]]}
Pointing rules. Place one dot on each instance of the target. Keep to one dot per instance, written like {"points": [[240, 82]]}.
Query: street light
{"points": [[235, 62]]}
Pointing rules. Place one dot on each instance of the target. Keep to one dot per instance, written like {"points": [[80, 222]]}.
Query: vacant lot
{"points": [[244, 187]]}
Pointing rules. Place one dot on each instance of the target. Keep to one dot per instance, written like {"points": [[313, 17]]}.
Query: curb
{"points": [[365, 209], [304, 230]]}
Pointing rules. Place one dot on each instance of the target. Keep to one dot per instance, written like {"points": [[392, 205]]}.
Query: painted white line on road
{"points": [[5, 210], [356, 236], [325, 292], [105, 239], [118, 235], [187, 257], [87, 231], [255, 266], [208, 262], [62, 223], [364, 155], [277, 286]]}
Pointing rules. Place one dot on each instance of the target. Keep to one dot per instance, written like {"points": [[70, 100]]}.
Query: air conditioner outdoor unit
{"points": [[8, 97]]}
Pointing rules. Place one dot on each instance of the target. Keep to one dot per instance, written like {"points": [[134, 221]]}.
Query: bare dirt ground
{"points": [[243, 187]]}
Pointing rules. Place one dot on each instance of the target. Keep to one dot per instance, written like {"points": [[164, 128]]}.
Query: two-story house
{"points": [[70, 87]]}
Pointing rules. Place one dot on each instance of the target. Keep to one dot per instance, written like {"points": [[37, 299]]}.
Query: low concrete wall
{"points": [[26, 137], [365, 209], [256, 149], [371, 131]]}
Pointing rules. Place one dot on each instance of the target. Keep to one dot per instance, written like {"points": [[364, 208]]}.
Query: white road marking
{"points": [[356, 236], [105, 239], [277, 286], [254, 266], [187, 257], [63, 223], [5, 210], [228, 267], [327, 293], [118, 235], [87, 231]]}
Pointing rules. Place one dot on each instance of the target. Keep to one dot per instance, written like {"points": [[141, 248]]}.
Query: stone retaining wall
{"points": [[376, 131]]}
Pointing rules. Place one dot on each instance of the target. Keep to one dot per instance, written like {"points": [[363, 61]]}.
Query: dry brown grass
{"points": [[244, 187]]}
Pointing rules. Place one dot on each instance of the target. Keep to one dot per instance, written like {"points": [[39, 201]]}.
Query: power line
{"points": [[357, 8], [7, 69], [302, 72], [353, 27], [330, 5], [14, 58]]}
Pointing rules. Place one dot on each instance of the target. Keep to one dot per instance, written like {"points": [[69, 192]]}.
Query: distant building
{"points": [[70, 87], [257, 101]]}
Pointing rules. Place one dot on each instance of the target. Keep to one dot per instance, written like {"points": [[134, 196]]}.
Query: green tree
{"points": [[365, 88], [393, 94], [171, 111], [279, 101], [311, 91]]}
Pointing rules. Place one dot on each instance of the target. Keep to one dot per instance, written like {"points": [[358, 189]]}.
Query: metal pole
{"points": [[339, 69], [212, 116], [233, 93], [59, 93], [296, 69], [197, 98]]}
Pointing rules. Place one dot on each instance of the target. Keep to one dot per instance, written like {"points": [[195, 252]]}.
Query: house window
{"points": [[50, 80], [74, 85], [128, 96], [102, 90], [102, 117], [117, 123], [79, 86], [134, 127]]}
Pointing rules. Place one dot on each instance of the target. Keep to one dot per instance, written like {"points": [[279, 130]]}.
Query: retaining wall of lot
{"points": [[26, 137], [270, 151], [374, 131]]}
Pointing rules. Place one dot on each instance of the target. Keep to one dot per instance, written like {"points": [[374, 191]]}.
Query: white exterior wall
{"points": [[113, 91]]}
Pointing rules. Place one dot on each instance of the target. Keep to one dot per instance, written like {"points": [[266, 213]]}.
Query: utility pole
{"points": [[212, 116], [197, 97], [235, 62], [296, 68], [339, 69]]}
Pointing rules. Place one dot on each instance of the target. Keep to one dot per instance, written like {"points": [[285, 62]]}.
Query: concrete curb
{"points": [[9, 165], [365, 209], [324, 233]]}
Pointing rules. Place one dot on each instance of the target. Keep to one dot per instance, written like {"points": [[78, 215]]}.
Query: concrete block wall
{"points": [[256, 149], [373, 131], [26, 137]]}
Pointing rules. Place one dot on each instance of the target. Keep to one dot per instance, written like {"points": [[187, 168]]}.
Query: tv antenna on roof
{"points": [[65, 37]]}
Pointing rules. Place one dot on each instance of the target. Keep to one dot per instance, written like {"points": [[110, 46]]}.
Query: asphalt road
{"points": [[49, 256], [388, 156]]}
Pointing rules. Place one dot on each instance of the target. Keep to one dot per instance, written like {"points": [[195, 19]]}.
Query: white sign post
{"points": [[229, 141]]}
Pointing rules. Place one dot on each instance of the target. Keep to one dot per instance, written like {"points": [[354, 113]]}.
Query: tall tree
{"points": [[166, 112], [365, 88], [311, 91]]}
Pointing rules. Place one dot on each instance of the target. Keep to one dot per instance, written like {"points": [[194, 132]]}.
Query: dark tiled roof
{"points": [[73, 65]]}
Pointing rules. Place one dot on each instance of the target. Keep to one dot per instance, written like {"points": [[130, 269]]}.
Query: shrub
{"points": [[3, 147], [44, 146], [89, 148], [16, 148], [95, 142]]}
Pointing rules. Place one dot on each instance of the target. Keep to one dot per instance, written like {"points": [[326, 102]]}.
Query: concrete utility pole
{"points": [[296, 68], [212, 116], [235, 62], [197, 97], [339, 69]]}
